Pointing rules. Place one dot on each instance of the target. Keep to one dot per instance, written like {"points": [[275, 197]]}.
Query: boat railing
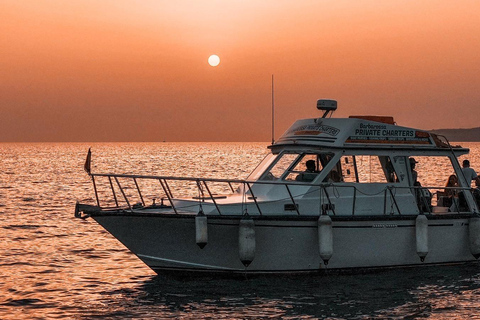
{"points": [[327, 191]]}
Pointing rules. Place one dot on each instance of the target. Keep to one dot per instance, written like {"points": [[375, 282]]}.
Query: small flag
{"points": [[88, 161]]}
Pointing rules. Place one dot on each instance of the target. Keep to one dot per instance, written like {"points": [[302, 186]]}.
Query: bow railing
{"points": [[131, 192]]}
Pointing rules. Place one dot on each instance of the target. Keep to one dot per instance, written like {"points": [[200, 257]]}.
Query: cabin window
{"points": [[293, 166], [433, 170], [281, 165], [308, 166], [262, 166], [364, 169]]}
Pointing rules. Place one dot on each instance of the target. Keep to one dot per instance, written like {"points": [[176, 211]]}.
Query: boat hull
{"points": [[166, 242]]}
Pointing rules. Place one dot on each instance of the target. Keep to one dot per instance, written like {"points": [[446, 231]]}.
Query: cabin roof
{"points": [[360, 131]]}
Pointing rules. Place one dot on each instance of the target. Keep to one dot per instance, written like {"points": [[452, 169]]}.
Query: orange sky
{"points": [[118, 70]]}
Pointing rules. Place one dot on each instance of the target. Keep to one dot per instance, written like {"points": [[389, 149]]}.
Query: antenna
{"points": [[273, 113]]}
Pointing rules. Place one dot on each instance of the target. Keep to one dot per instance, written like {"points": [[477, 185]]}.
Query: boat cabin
{"points": [[362, 165]]}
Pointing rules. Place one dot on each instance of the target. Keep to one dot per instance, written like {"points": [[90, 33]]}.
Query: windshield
{"points": [[262, 166], [303, 167]]}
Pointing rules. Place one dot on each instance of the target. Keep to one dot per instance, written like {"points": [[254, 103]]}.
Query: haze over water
{"points": [[55, 266]]}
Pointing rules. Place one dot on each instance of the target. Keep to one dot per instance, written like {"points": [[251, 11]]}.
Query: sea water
{"points": [[55, 266]]}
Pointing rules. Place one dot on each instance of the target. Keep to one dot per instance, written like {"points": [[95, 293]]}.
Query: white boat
{"points": [[360, 207]]}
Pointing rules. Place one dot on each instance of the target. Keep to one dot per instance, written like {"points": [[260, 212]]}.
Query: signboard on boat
{"points": [[383, 133], [314, 129]]}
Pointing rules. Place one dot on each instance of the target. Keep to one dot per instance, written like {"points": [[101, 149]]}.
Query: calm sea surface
{"points": [[55, 266]]}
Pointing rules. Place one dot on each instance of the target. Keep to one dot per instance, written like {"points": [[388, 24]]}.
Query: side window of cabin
{"points": [[364, 169], [388, 169], [370, 170], [348, 169], [437, 172], [433, 170]]}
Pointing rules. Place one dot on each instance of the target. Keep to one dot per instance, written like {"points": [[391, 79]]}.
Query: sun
{"points": [[214, 60]]}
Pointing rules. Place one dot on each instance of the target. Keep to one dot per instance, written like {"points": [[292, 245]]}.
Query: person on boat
{"points": [[476, 191], [423, 195], [468, 172], [310, 173], [448, 193], [334, 176], [451, 183], [413, 163]]}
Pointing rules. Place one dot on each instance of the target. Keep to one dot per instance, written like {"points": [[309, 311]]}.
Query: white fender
{"points": [[474, 236], [201, 229], [421, 235], [325, 237], [246, 240]]}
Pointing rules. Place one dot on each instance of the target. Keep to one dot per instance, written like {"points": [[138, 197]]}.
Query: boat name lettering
{"points": [[381, 226], [398, 133], [315, 129], [385, 132]]}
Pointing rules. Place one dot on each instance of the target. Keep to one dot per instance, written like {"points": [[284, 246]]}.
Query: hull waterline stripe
{"points": [[196, 265]]}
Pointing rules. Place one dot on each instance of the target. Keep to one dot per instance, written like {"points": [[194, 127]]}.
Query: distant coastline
{"points": [[460, 135]]}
